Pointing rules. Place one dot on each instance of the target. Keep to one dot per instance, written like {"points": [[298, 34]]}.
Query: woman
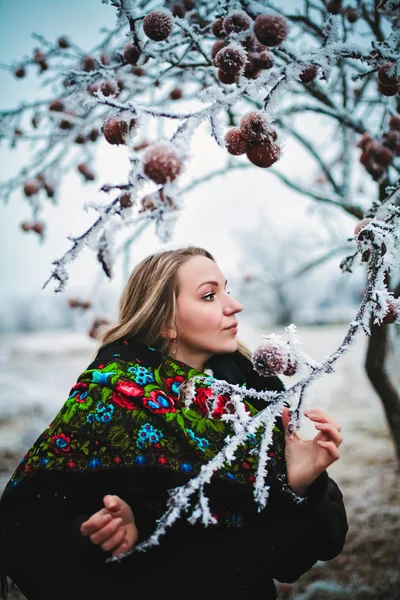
{"points": [[97, 482]]}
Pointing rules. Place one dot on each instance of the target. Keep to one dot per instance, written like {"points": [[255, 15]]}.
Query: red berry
{"points": [[271, 30], [269, 359], [334, 7], [392, 313], [391, 140], [188, 4], [235, 142], [217, 46], [161, 163], [73, 303], [38, 227], [86, 304], [49, 190], [19, 72], [138, 71], [217, 28], [109, 88], [264, 60], [263, 154], [351, 14], [178, 10], [383, 156], [251, 70], [388, 79], [39, 56], [125, 200], [97, 326], [105, 59], [93, 135], [92, 88], [157, 25], [394, 122], [65, 124], [227, 78], [80, 139], [31, 188], [115, 130], [86, 172], [176, 94], [388, 90], [57, 106], [309, 74], [131, 53], [230, 60], [25, 226], [236, 21], [254, 127], [88, 64], [63, 42], [364, 142]]}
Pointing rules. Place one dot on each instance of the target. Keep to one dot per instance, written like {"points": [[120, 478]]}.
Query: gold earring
{"points": [[173, 350]]}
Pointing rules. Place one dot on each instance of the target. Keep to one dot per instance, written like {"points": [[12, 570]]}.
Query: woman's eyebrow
{"points": [[211, 282]]}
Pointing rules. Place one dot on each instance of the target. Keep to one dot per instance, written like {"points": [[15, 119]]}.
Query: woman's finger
{"points": [[95, 522], [122, 548], [115, 540], [319, 415], [331, 448], [106, 532], [329, 429]]}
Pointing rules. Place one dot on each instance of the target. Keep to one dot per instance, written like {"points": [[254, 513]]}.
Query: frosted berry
{"points": [[351, 14], [391, 140], [31, 188], [57, 106], [92, 88], [230, 60], [88, 64], [63, 42], [157, 25], [20, 72], [80, 139], [217, 46], [235, 142], [385, 78], [65, 124], [161, 163], [394, 122], [125, 200], [271, 30], [309, 74], [365, 141], [237, 21], [131, 53], [263, 154], [360, 225], [254, 127], [217, 28], [138, 71], [264, 60], [383, 156], [251, 70], [269, 358], [334, 7], [115, 130], [392, 313], [109, 88], [292, 367], [227, 78], [176, 94]]}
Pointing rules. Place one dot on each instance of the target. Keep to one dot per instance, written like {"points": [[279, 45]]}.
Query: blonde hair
{"points": [[148, 302]]}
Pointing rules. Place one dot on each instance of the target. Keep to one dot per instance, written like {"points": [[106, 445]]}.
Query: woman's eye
{"points": [[209, 296]]}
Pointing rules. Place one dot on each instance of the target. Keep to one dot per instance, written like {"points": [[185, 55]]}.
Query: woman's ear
{"points": [[168, 333]]}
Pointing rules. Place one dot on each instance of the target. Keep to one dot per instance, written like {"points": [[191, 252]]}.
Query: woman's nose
{"points": [[233, 306]]}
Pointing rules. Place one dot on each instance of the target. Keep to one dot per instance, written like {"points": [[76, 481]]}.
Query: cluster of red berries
{"points": [[76, 303], [377, 155], [388, 80], [33, 186], [255, 138], [274, 357], [37, 227], [247, 55]]}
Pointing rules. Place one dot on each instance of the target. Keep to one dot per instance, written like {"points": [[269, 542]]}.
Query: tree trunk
{"points": [[375, 365]]}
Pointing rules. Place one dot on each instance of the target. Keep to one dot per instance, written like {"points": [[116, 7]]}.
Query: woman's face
{"points": [[206, 313]]}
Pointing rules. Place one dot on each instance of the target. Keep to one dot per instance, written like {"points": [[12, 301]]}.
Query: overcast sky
{"points": [[212, 215]]}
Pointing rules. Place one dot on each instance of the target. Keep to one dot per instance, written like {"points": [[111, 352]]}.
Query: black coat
{"points": [[43, 551]]}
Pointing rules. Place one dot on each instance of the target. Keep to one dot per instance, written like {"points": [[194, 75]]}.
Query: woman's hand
{"points": [[307, 459], [113, 527]]}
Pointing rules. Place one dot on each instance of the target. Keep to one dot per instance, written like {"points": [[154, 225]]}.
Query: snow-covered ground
{"points": [[38, 369]]}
